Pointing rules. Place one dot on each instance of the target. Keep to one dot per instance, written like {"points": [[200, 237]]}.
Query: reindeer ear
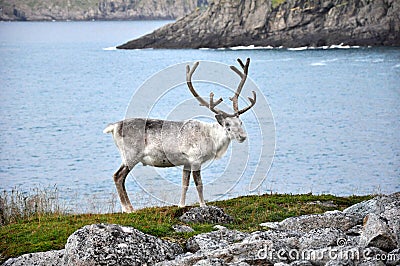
{"points": [[220, 119]]}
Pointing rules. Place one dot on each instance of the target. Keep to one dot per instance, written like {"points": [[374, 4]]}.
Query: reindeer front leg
{"points": [[199, 186], [185, 186]]}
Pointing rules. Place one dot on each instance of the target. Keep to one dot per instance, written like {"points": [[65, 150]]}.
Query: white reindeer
{"points": [[163, 143]]}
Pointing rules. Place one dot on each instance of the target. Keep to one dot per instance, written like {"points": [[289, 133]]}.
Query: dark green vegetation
{"points": [[276, 3], [48, 231]]}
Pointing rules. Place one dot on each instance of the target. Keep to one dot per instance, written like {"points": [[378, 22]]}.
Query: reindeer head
{"points": [[231, 122]]}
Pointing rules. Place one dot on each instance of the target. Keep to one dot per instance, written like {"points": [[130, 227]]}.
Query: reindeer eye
{"points": [[227, 124]]}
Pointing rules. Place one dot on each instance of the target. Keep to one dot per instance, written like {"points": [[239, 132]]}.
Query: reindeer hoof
{"points": [[128, 209], [180, 205], [203, 205]]}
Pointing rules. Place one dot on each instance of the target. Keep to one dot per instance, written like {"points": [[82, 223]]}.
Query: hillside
{"points": [[290, 23], [32, 10]]}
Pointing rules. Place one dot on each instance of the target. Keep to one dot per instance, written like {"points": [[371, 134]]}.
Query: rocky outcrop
{"points": [[362, 235], [207, 214], [97, 10], [214, 240], [376, 205], [49, 258], [293, 23], [107, 244], [306, 223], [376, 233]]}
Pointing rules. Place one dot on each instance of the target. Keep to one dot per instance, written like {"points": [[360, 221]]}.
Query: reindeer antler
{"points": [[243, 77], [211, 105]]}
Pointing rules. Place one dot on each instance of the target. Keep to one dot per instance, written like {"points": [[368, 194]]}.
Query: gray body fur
{"points": [[163, 143]]}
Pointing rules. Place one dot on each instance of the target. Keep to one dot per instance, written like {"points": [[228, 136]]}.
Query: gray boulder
{"points": [[355, 230], [372, 256], [306, 223], [181, 228], [242, 253], [290, 238], [208, 214], [340, 263], [109, 244], [392, 216], [210, 261], [300, 263], [321, 238], [184, 259], [376, 233], [375, 205], [253, 253], [371, 262], [48, 258], [214, 240], [332, 255], [393, 257]]}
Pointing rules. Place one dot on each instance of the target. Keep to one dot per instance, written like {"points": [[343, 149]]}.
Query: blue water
{"points": [[336, 111]]}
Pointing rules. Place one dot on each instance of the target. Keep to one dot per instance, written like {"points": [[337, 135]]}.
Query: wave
{"points": [[318, 64], [337, 46], [112, 48], [249, 47], [301, 48], [341, 46]]}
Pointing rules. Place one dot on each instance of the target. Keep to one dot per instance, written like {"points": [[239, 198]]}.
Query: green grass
{"points": [[50, 231], [276, 3]]}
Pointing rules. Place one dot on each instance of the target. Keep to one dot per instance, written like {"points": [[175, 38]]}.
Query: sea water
{"points": [[336, 112]]}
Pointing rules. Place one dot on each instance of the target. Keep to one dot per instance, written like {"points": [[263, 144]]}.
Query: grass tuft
{"points": [[276, 3], [18, 206]]}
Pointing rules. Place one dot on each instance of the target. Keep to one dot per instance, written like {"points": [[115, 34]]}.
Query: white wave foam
{"points": [[341, 46], [318, 64], [302, 48], [338, 46], [251, 47], [113, 48], [299, 48]]}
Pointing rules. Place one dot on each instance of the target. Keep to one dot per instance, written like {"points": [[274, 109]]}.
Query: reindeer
{"points": [[163, 143]]}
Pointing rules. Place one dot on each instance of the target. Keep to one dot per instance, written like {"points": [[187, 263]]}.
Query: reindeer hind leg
{"points": [[119, 180]]}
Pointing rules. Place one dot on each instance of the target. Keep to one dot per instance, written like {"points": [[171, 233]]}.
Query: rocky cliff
{"points": [[97, 9], [290, 23]]}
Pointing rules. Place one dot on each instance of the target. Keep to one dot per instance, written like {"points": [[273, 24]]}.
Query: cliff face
{"points": [[96, 9], [293, 23]]}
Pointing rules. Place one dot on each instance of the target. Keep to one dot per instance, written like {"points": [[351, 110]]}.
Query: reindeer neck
{"points": [[221, 139]]}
